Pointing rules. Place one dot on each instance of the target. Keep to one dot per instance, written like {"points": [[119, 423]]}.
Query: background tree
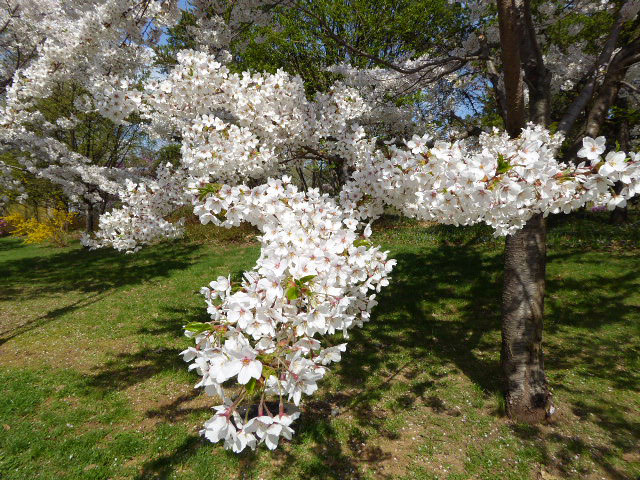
{"points": [[54, 122]]}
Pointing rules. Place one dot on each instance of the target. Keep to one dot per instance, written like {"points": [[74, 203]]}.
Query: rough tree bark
{"points": [[526, 390], [510, 40], [527, 393]]}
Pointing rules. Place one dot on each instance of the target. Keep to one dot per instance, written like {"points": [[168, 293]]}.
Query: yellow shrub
{"points": [[51, 229]]}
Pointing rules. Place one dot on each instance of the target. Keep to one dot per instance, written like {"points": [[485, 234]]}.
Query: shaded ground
{"points": [[93, 386]]}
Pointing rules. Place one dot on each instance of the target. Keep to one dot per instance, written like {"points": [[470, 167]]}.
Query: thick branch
{"points": [[581, 101], [607, 93], [494, 79], [326, 29], [511, 61], [537, 76]]}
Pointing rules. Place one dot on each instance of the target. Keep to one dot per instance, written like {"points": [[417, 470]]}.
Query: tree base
{"points": [[536, 409]]}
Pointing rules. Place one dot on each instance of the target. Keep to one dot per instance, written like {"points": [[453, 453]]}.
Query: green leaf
{"points": [[251, 386], [362, 242], [268, 371], [209, 189], [266, 358], [197, 327], [292, 293], [503, 165], [307, 278]]}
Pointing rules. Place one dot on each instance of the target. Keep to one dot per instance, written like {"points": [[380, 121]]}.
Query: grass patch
{"points": [[93, 387]]}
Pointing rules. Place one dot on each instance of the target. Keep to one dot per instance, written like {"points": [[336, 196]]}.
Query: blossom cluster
{"points": [[217, 23], [232, 126], [269, 332], [9, 186], [141, 219], [243, 125], [500, 181]]}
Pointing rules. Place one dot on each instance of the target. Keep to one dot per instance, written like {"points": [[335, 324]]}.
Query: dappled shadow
{"points": [[86, 271], [177, 409], [588, 298], [327, 457], [127, 369], [172, 320], [591, 302], [436, 313], [459, 283], [51, 315], [11, 244], [163, 467], [587, 231], [441, 302], [569, 448], [94, 274], [393, 346]]}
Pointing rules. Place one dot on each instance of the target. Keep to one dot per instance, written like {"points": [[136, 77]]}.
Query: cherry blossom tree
{"points": [[274, 333]]}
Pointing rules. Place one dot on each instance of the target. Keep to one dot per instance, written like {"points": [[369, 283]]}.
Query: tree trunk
{"points": [[526, 391], [90, 218], [510, 40]]}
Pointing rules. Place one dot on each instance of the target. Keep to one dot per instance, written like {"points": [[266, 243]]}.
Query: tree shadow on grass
{"points": [[435, 312], [590, 320], [164, 466], [177, 410], [172, 320], [50, 316], [127, 369], [393, 347], [441, 303], [587, 296], [326, 456], [325, 459], [7, 244], [570, 447], [87, 271], [400, 326], [436, 309], [93, 274]]}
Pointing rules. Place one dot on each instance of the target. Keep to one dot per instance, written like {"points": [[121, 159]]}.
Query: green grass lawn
{"points": [[91, 384]]}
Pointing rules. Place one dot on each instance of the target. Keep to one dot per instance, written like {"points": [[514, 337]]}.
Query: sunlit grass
{"points": [[93, 387]]}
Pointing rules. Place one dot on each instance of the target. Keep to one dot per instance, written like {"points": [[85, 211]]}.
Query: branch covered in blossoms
{"points": [[141, 219], [272, 331], [250, 124], [500, 181]]}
